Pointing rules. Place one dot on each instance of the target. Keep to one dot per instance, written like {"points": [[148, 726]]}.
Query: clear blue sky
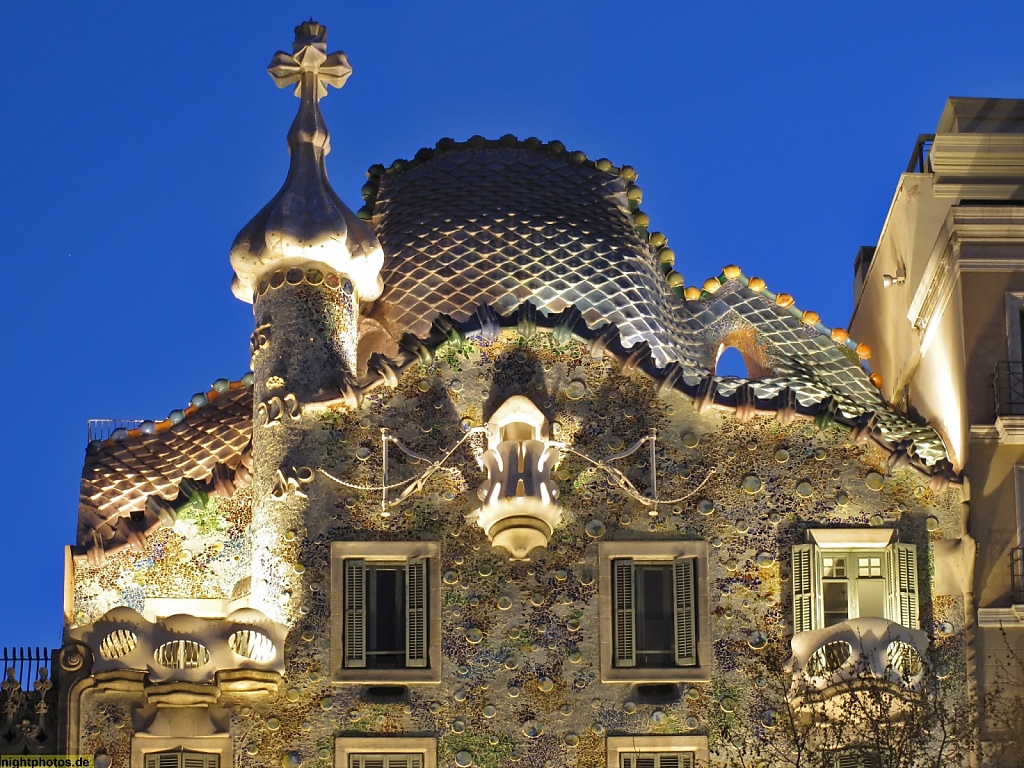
{"points": [[139, 137]]}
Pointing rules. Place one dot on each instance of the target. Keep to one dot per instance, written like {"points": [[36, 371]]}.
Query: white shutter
{"points": [[625, 614], [163, 760], [355, 613], [806, 589], [416, 642], [683, 582], [902, 585], [405, 760], [200, 760]]}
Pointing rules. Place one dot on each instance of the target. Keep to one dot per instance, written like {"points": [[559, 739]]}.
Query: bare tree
{"points": [[844, 707], [1003, 702]]}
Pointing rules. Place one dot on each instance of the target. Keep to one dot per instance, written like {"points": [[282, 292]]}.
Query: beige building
{"points": [[941, 299], [483, 498]]}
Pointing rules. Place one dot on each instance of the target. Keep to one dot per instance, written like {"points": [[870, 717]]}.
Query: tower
{"points": [[305, 262]]}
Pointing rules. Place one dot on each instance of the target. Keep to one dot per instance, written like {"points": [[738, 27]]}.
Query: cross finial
{"points": [[309, 63]]}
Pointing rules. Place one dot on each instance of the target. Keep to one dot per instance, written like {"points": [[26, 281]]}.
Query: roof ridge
{"points": [[810, 318]]}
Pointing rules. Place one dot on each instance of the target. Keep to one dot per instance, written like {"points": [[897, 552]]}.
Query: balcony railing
{"points": [[1017, 575], [101, 429], [1008, 386], [920, 161], [24, 664]]}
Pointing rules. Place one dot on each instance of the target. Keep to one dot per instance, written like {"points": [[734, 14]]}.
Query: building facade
{"points": [[483, 497]]}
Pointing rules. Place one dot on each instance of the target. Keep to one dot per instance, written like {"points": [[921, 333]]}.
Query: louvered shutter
{"points": [[806, 588], [163, 760], [416, 642], [665, 760], [200, 760], [625, 614], [355, 613], [902, 585], [850, 758], [683, 583]]}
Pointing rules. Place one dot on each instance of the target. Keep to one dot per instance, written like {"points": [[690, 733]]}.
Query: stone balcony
{"points": [[243, 651], [830, 666]]}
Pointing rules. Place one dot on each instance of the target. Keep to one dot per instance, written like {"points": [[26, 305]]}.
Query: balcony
{"points": [[1008, 391], [832, 667], [920, 160], [1017, 575], [28, 702]]}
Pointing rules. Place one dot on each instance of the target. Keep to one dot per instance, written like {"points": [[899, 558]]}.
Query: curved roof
{"points": [[504, 222]]}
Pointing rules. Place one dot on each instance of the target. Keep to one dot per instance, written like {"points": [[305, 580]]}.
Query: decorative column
{"points": [[305, 262]]}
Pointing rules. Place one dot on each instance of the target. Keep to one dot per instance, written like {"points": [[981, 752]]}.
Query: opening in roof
{"points": [[731, 363]]}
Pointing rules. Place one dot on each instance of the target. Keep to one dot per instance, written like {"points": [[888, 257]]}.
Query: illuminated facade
{"points": [[484, 499]]}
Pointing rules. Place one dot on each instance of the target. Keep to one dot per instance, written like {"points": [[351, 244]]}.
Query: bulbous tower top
{"points": [[306, 222]]}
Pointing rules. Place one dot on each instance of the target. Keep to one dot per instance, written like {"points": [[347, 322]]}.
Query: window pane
{"points": [[837, 603], [871, 598], [833, 567], [870, 567], [654, 616], [385, 620]]}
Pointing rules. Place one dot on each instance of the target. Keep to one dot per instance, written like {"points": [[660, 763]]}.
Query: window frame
{"points": [[347, 746], [375, 552], [152, 759], [900, 575], [618, 746], [144, 744], [654, 552]]}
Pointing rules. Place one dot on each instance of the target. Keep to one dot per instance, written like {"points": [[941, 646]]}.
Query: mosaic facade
{"points": [[347, 556]]}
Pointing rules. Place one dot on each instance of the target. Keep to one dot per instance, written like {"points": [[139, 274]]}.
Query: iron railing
{"points": [[102, 429], [920, 160], [26, 663], [1017, 575], [1008, 386]]}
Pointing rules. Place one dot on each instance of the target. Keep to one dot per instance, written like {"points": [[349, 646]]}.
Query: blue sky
{"points": [[139, 138]]}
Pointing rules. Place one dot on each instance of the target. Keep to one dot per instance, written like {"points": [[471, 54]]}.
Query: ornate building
{"points": [[484, 498]]}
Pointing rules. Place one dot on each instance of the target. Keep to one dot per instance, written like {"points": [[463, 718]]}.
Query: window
{"points": [[385, 761], [858, 757], [653, 609], [850, 574], [385, 752], [182, 759], [656, 760], [655, 621], [656, 751], [385, 615], [159, 751]]}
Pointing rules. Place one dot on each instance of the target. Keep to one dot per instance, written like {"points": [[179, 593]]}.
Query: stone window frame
{"points": [[647, 551], [144, 744], [345, 746], [386, 551], [616, 746]]}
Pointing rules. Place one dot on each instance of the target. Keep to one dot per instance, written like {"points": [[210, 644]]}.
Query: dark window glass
{"points": [[385, 616], [655, 619]]}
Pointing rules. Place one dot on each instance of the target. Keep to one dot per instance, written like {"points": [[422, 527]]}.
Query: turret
{"points": [[305, 262]]}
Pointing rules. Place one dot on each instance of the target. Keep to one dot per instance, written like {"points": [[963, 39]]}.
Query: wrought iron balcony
{"points": [[1017, 574], [920, 162], [1008, 386]]}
